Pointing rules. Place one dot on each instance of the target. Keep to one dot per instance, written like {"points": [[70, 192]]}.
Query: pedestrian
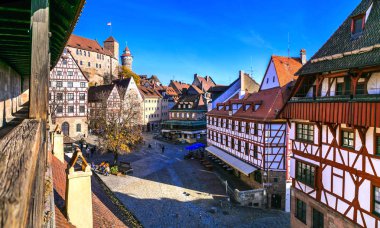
{"points": [[163, 149]]}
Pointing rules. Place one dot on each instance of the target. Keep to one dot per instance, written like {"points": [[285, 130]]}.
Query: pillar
{"points": [[58, 149]]}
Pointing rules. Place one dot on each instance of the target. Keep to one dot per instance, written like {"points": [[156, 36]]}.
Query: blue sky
{"points": [[174, 39]]}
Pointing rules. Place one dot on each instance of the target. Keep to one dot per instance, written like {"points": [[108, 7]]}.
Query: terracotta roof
{"points": [[271, 102], [286, 68], [194, 88], [126, 52], [178, 86], [206, 82], [95, 91], [147, 92], [87, 44], [105, 213]]}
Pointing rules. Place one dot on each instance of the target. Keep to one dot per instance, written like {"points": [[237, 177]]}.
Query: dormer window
{"points": [[257, 106], [220, 107], [246, 107], [357, 25]]}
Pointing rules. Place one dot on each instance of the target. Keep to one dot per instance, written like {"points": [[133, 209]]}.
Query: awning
{"points": [[231, 160]]}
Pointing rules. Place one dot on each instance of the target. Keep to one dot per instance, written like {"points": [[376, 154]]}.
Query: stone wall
{"points": [[332, 219], [252, 198], [11, 95], [73, 121]]}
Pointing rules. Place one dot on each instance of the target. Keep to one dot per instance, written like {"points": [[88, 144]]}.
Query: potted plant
{"points": [[114, 170]]}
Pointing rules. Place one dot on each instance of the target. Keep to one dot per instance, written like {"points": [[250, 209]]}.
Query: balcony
{"points": [[359, 110]]}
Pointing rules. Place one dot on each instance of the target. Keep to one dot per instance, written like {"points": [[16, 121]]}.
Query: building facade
{"points": [[153, 105], [247, 133], [335, 128], [68, 97], [100, 64], [187, 119]]}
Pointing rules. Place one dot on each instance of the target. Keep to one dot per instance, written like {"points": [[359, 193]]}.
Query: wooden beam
{"points": [[40, 60]]}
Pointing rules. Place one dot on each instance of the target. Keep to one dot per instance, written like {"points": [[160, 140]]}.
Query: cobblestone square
{"points": [[167, 191]]}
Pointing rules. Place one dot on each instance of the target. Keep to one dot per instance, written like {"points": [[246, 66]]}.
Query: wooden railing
{"points": [[22, 171]]}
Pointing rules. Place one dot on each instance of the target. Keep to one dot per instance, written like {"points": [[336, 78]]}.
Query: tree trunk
{"points": [[115, 158]]}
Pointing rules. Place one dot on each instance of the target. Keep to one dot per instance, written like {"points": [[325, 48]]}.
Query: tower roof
{"points": [[110, 39], [126, 52]]}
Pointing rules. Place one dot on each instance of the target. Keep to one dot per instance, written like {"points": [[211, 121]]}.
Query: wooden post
{"points": [[40, 60]]}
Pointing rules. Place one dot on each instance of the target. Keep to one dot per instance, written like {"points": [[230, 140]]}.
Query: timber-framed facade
{"points": [[247, 127], [335, 124]]}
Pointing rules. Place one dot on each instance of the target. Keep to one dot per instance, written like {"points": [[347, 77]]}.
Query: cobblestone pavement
{"points": [[167, 191]]}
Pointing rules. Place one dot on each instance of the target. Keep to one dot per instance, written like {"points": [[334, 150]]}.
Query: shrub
{"points": [[114, 170]]}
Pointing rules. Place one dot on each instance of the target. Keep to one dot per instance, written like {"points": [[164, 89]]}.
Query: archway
{"points": [[65, 128]]}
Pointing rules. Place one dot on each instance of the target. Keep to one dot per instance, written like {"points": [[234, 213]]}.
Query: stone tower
{"points": [[127, 58], [111, 44]]}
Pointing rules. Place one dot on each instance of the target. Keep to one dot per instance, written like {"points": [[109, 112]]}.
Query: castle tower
{"points": [[127, 58], [111, 44]]}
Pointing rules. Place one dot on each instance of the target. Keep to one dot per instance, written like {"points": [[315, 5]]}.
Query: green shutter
{"points": [[377, 145]]}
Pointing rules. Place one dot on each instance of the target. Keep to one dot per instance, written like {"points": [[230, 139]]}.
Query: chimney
{"points": [[303, 56], [195, 76], [78, 192], [242, 84], [58, 144]]}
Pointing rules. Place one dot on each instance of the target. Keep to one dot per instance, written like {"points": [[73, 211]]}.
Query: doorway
{"points": [[276, 201]]}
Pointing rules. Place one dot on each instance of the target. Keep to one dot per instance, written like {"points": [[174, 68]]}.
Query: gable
{"points": [[70, 71], [270, 79]]}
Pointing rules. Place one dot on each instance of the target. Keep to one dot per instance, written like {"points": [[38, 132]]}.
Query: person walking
{"points": [[163, 149]]}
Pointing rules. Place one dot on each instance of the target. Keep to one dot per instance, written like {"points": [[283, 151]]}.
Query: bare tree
{"points": [[118, 122]]}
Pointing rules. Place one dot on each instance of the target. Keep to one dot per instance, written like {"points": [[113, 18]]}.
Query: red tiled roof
{"points": [[271, 102], [104, 212], [286, 68], [87, 44], [197, 90], [148, 92], [179, 85], [206, 82]]}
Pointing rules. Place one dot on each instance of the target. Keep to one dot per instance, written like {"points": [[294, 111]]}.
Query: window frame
{"points": [[317, 213], [306, 179], [301, 216], [374, 201], [353, 24], [347, 130], [302, 137], [375, 145], [80, 127]]}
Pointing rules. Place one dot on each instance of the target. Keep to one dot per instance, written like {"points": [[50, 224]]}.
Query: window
{"points": [[357, 25], [100, 66], [361, 88], [255, 151], [64, 62], [70, 84], [79, 127], [273, 79], [59, 83], [301, 210], [81, 62], [376, 200], [70, 73], [257, 176], [256, 129], [59, 96], [339, 88], [85, 53], [59, 109], [59, 73], [305, 173], [71, 109], [70, 96], [246, 148], [82, 109], [347, 138], [267, 80], [82, 84], [377, 144], [96, 65], [247, 128], [317, 219], [233, 143], [82, 96], [77, 51], [305, 132], [89, 54], [89, 64]]}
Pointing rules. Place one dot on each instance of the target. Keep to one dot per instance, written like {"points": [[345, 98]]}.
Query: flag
{"points": [[109, 24]]}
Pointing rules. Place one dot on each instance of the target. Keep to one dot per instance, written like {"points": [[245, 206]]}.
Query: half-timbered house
{"points": [[247, 133], [103, 102], [68, 89], [334, 119]]}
